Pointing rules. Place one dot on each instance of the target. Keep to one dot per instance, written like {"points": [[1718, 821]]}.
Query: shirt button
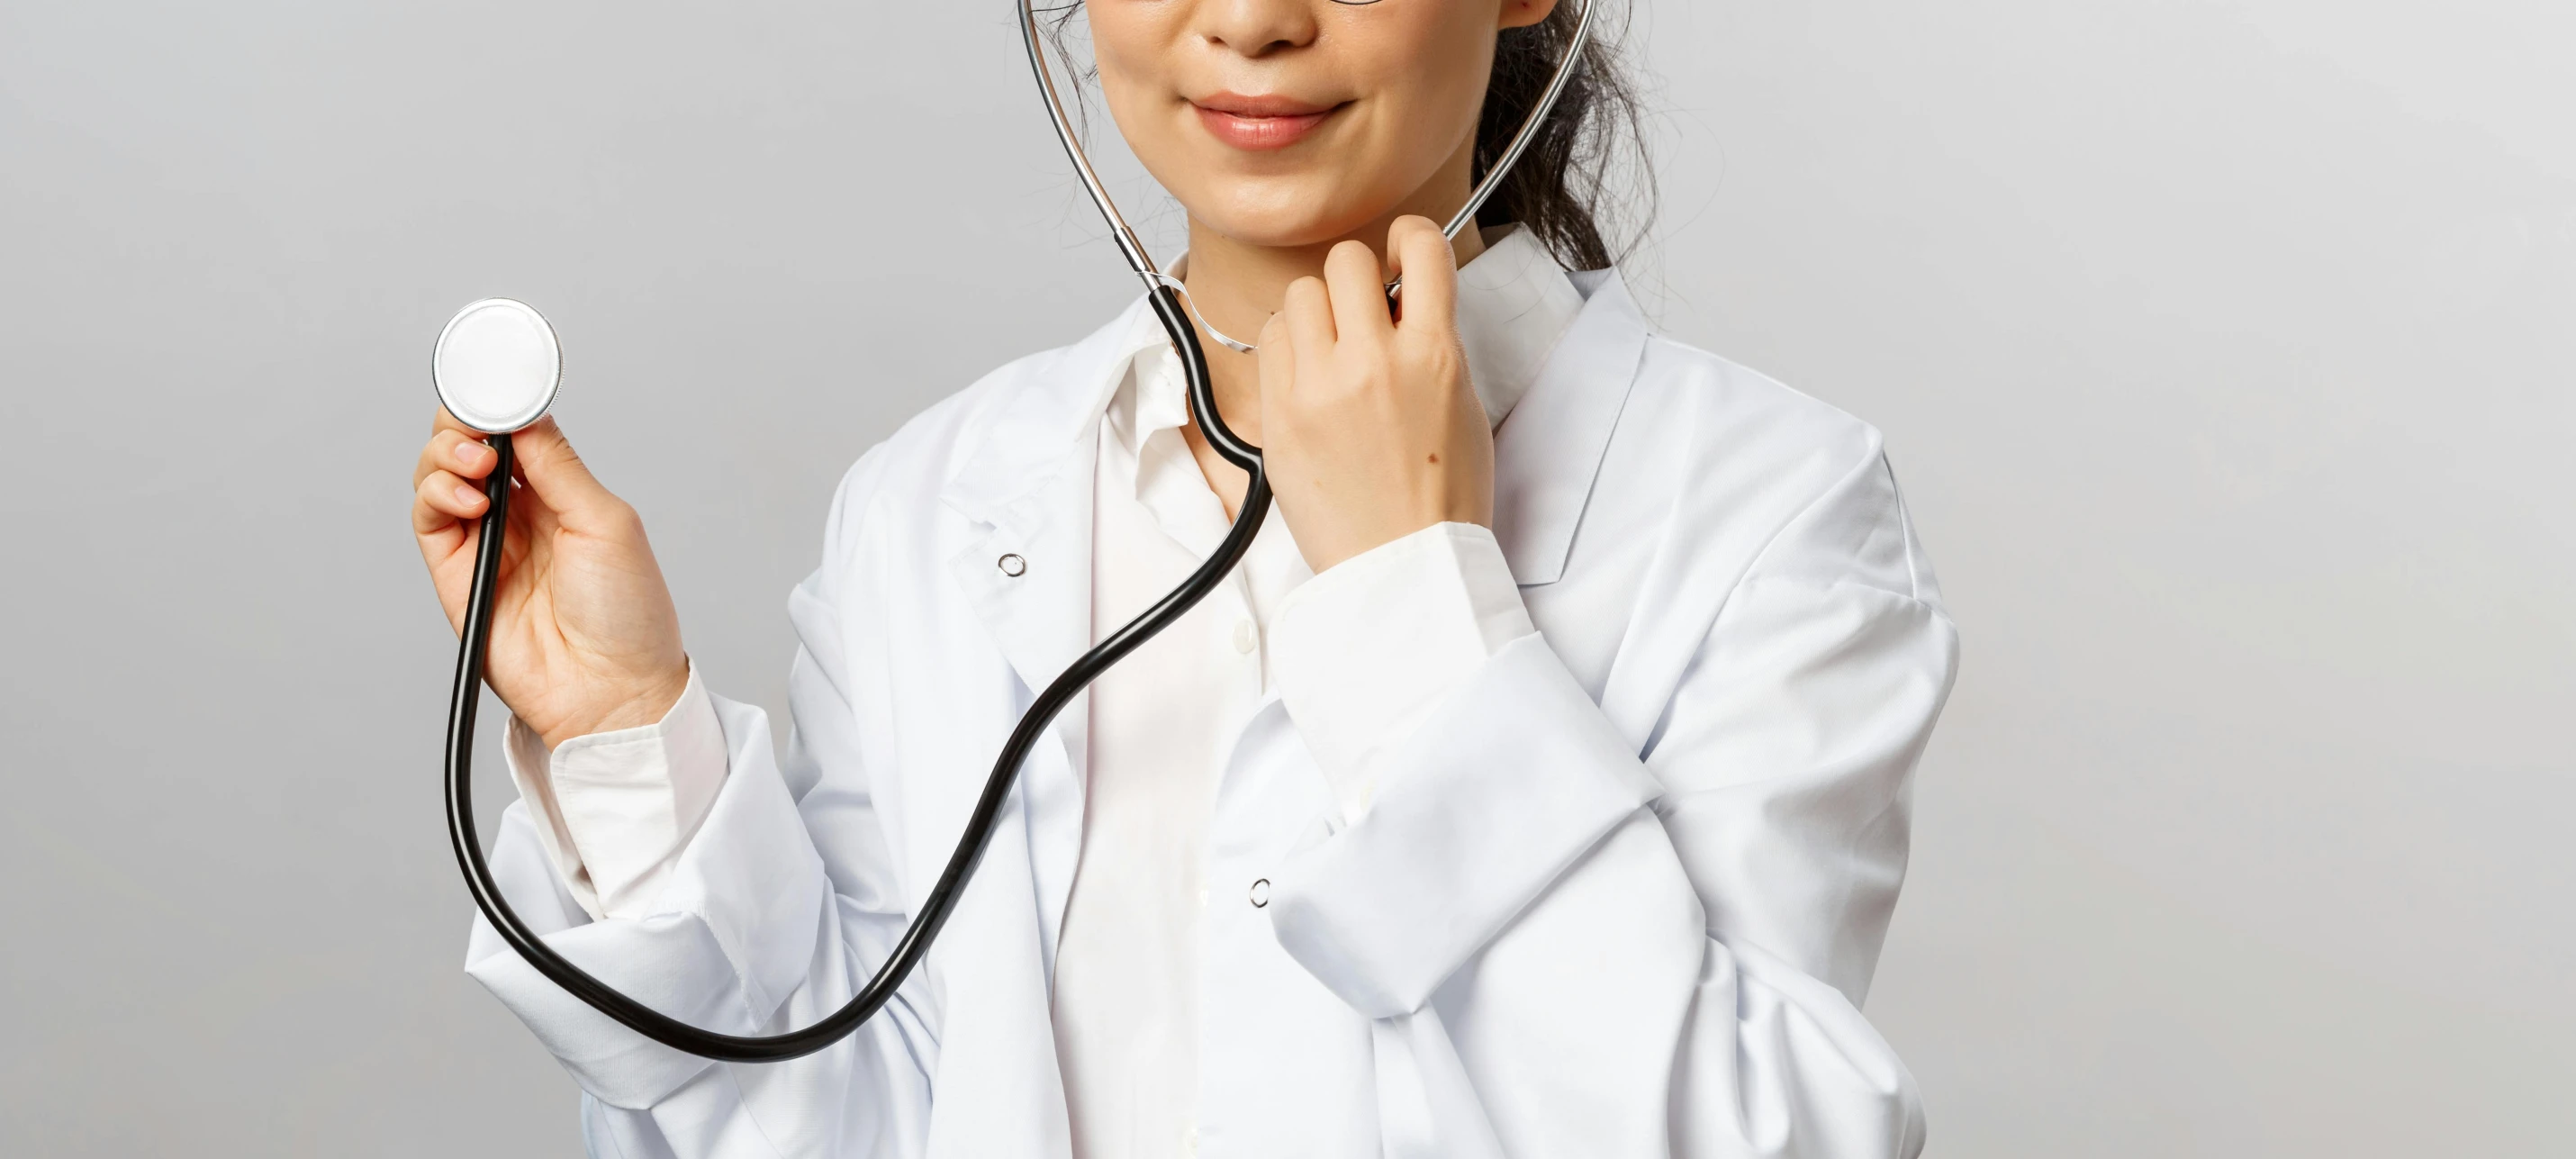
{"points": [[1246, 637], [1261, 893], [1012, 565]]}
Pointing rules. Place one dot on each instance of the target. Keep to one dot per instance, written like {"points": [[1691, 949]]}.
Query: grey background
{"points": [[2225, 350]]}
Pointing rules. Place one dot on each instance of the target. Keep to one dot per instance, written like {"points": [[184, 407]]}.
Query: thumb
{"points": [[555, 471]]}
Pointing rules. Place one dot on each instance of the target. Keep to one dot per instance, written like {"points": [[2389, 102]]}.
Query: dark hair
{"points": [[1566, 186]]}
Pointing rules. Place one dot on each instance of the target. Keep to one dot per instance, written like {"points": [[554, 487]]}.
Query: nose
{"points": [[1257, 28]]}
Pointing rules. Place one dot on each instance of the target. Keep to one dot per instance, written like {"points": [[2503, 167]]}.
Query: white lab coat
{"points": [[1621, 894]]}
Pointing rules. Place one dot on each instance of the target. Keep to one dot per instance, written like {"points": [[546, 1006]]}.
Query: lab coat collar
{"points": [[1041, 414], [1546, 452], [1515, 304], [1549, 449]]}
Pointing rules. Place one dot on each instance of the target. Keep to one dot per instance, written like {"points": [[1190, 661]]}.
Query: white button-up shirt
{"points": [[1357, 656]]}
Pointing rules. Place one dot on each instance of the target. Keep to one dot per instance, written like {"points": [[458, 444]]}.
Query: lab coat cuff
{"points": [[1362, 652], [614, 809], [1513, 776], [736, 932]]}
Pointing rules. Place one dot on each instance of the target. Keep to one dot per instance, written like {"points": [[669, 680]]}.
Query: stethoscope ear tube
{"points": [[474, 644]]}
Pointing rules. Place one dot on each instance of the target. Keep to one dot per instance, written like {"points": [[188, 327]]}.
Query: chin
{"points": [[1286, 214]]}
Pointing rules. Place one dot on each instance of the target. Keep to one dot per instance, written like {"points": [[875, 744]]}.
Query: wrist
{"points": [[1326, 546], [635, 705]]}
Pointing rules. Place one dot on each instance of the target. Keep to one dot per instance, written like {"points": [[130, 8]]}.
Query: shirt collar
{"points": [[1514, 305]]}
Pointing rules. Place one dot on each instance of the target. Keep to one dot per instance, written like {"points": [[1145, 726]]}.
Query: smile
{"points": [[1260, 123]]}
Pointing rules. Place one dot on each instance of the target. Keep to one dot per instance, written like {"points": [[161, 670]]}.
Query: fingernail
{"points": [[467, 495], [470, 453]]}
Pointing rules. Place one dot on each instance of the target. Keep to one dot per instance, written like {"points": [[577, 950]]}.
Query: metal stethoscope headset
{"points": [[496, 368]]}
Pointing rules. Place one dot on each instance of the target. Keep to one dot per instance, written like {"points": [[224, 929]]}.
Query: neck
{"points": [[1238, 285]]}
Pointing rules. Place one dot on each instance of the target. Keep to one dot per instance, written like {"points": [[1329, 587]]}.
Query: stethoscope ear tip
{"points": [[497, 365]]}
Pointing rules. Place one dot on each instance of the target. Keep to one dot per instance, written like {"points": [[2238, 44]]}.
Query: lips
{"points": [[1260, 122]]}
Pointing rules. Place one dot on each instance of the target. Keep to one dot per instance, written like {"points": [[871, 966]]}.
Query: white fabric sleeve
{"points": [[1364, 650], [614, 809], [1537, 894]]}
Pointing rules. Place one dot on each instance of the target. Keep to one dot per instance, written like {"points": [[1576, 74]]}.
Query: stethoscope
{"points": [[497, 367]]}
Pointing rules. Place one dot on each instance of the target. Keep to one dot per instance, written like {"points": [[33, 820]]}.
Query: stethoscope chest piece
{"points": [[497, 365]]}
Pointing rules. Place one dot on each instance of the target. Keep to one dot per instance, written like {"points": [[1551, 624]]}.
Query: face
{"points": [[1291, 123]]}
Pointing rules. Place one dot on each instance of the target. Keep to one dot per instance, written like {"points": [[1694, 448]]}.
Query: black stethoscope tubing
{"points": [[1165, 294], [944, 894]]}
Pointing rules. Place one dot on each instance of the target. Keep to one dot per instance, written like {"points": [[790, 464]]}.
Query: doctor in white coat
{"points": [[1538, 785]]}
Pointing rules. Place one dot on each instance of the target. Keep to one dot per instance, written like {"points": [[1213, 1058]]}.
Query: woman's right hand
{"points": [[584, 636]]}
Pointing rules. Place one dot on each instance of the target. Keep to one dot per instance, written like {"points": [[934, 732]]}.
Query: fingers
{"points": [[1421, 255], [546, 461], [447, 488], [441, 500], [557, 474], [1308, 312], [1358, 286], [455, 451]]}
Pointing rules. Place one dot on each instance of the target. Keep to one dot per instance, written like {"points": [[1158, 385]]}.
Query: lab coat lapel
{"points": [[996, 1040], [1040, 619], [1026, 572], [1549, 448]]}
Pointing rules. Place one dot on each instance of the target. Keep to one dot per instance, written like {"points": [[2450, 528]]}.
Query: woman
{"points": [[1536, 787]]}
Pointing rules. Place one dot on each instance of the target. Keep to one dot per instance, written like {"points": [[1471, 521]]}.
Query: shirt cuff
{"points": [[1364, 651], [614, 809]]}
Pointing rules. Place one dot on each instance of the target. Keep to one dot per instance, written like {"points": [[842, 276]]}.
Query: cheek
{"points": [[1434, 68], [1425, 74], [1131, 56], [1136, 109], [1423, 97]]}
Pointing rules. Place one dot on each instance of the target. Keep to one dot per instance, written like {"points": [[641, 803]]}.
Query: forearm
{"points": [[1606, 1021], [746, 936], [1604, 972]]}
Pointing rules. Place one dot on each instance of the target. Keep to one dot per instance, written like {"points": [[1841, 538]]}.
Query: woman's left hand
{"points": [[1370, 428]]}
